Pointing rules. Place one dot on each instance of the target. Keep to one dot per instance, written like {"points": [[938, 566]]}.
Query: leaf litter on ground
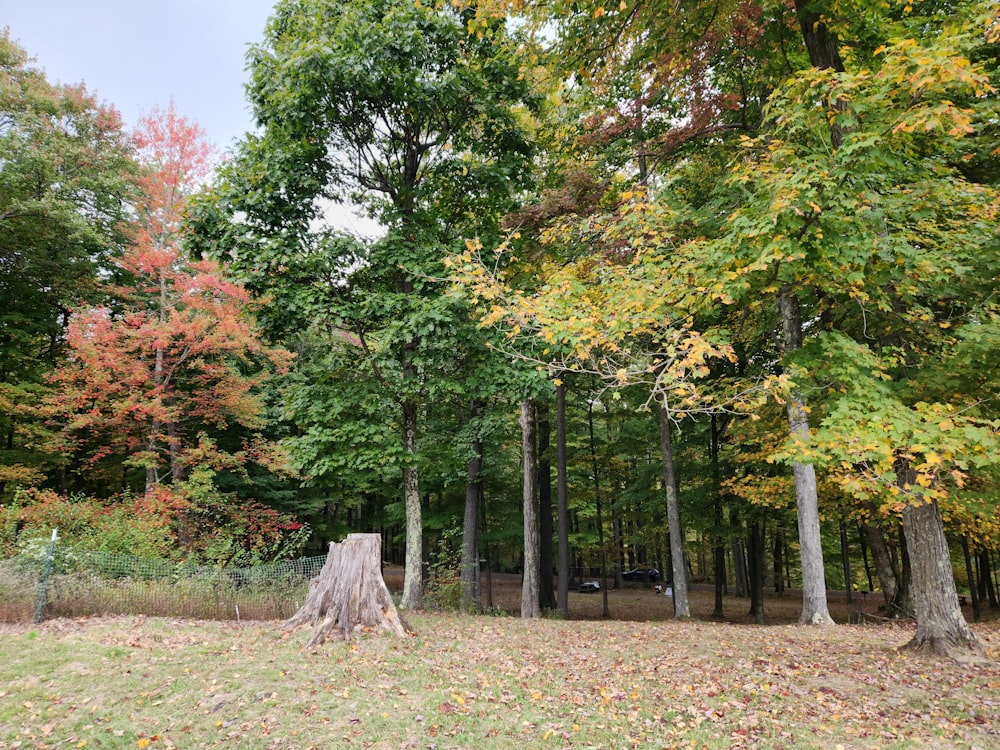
{"points": [[488, 682]]}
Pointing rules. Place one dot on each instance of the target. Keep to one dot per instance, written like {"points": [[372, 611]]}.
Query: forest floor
{"points": [[485, 682], [637, 602]]}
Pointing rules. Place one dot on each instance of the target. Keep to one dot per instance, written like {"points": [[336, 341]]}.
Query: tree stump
{"points": [[349, 593]]}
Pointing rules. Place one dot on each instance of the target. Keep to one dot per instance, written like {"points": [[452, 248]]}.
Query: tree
{"points": [[530, 606], [65, 185], [398, 107], [837, 204], [172, 359]]}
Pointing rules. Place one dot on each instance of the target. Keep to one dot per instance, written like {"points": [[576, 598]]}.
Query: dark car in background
{"points": [[640, 574]]}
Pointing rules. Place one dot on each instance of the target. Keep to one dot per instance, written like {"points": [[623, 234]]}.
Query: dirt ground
{"points": [[640, 603]]}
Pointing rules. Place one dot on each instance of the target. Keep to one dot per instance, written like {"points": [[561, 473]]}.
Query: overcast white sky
{"points": [[140, 54]]}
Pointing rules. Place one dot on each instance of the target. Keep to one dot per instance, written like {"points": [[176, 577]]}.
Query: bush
{"points": [[444, 589]]}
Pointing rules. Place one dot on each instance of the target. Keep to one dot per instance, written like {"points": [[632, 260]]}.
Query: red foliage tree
{"points": [[172, 355]]}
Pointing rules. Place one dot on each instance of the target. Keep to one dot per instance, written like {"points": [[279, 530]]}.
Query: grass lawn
{"points": [[494, 682]]}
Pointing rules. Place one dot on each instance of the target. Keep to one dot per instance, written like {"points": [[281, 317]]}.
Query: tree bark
{"points": [[845, 561], [887, 574], [814, 606], [546, 593], [562, 502], [941, 628], [682, 609], [987, 587], [529, 587], [970, 574], [779, 545], [605, 612], [349, 593], [756, 569], [719, 562], [739, 555], [412, 568]]}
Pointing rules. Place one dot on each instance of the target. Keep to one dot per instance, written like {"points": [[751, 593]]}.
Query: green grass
{"points": [[485, 683]]}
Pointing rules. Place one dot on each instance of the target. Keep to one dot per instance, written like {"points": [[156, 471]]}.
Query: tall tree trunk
{"points": [[682, 609], [814, 606], [739, 554], [600, 518], [562, 502], [756, 567], [987, 586], [845, 561], [546, 593], [719, 572], [888, 575], [971, 576], [413, 566], [940, 625], [529, 588], [470, 522], [779, 545]]}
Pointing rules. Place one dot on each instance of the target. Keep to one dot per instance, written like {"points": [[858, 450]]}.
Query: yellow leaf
{"points": [[599, 12], [143, 742]]}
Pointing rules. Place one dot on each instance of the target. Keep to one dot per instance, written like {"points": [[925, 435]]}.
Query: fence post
{"points": [[49, 561]]}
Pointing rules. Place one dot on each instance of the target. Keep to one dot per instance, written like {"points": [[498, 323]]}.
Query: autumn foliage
{"points": [[171, 360]]}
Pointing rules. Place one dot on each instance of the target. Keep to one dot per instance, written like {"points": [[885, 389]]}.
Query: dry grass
{"points": [[490, 683]]}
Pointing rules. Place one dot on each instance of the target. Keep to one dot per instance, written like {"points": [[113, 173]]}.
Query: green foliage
{"points": [[119, 525], [444, 589], [65, 178]]}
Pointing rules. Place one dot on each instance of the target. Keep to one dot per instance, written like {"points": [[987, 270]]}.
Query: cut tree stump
{"points": [[349, 593]]}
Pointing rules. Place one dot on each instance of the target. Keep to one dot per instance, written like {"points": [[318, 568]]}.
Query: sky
{"points": [[140, 54]]}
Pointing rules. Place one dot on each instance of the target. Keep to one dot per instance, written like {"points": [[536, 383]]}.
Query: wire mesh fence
{"points": [[57, 581]]}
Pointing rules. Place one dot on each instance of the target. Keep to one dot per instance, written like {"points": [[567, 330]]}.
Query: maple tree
{"points": [[156, 374], [824, 147]]}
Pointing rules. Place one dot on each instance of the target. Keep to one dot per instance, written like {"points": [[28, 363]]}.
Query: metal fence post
{"points": [[49, 561]]}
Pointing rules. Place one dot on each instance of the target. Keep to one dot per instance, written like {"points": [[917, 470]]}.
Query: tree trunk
{"points": [[470, 525], [349, 594], [682, 609], [605, 612], [756, 568], [779, 546], [987, 587], [845, 561], [814, 606], [546, 594], [941, 628], [529, 588], [719, 562], [973, 588], [739, 555], [562, 502], [888, 576], [413, 566]]}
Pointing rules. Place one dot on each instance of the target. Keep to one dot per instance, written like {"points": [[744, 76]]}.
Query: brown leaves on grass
{"points": [[491, 683]]}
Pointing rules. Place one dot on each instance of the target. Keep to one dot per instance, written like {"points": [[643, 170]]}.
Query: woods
{"points": [[723, 274]]}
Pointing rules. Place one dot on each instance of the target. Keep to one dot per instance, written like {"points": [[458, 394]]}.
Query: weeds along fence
{"points": [[62, 582]]}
